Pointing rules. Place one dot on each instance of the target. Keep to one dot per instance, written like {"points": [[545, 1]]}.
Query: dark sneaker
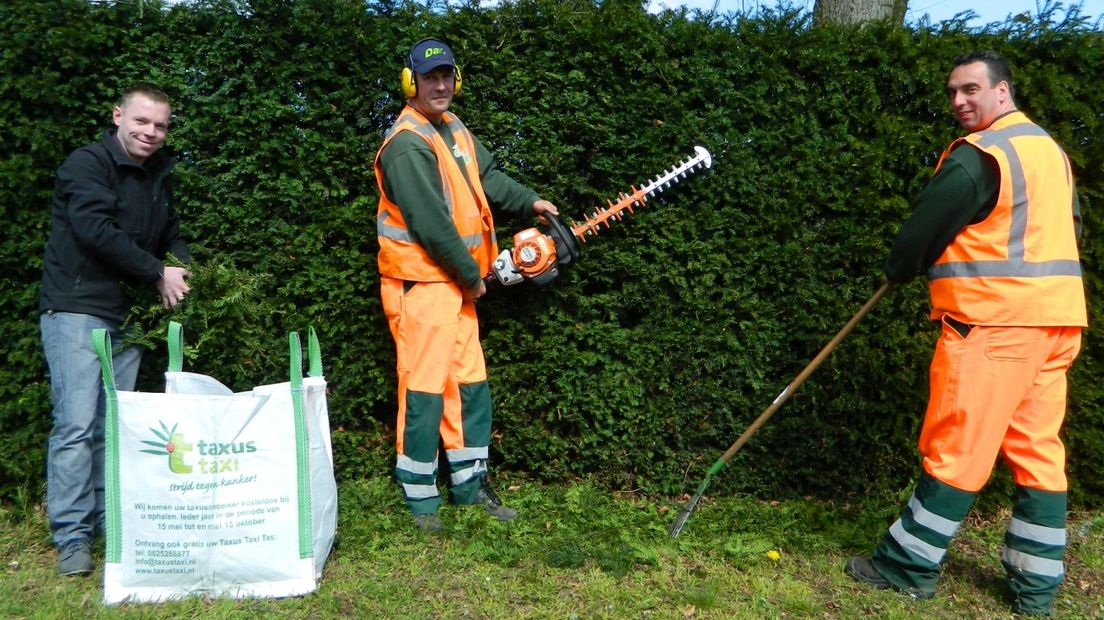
{"points": [[75, 558], [486, 498], [428, 523], [862, 570]]}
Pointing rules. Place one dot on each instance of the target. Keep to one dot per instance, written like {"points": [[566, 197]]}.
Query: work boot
{"points": [[862, 570], [486, 497], [75, 558], [428, 523]]}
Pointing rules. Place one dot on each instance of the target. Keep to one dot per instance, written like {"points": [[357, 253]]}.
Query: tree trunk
{"points": [[858, 11]]}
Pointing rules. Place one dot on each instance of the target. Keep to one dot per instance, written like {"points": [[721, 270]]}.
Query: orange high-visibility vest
{"points": [[400, 256], [1020, 265]]}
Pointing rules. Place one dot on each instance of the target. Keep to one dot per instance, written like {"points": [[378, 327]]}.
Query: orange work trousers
{"points": [[998, 390], [436, 334]]}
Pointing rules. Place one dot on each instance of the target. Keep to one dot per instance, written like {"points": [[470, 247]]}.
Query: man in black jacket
{"points": [[112, 224]]}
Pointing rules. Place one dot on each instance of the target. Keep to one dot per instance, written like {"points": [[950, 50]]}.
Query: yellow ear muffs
{"points": [[409, 86], [459, 81]]}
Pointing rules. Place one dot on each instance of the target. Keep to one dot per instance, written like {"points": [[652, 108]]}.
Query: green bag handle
{"points": [[176, 350], [176, 346], [315, 369], [302, 438], [295, 361], [302, 460], [101, 342], [314, 357]]}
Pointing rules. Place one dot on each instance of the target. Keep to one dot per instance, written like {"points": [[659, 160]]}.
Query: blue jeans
{"points": [[75, 456]]}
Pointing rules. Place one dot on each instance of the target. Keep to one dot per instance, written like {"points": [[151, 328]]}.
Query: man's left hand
{"points": [[540, 207], [172, 286]]}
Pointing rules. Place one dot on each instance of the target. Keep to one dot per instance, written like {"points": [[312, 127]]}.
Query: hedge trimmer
{"points": [[539, 253]]}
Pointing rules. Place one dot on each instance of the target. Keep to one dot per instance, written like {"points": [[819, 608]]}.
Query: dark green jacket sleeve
{"points": [[411, 180], [964, 191]]}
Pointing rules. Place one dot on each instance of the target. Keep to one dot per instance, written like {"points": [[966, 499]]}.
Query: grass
{"points": [[580, 552]]}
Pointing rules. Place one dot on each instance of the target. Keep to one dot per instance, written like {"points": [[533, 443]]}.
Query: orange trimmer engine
{"points": [[534, 253], [539, 254]]}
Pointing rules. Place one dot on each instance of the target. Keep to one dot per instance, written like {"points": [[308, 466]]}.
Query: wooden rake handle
{"points": [[804, 374]]}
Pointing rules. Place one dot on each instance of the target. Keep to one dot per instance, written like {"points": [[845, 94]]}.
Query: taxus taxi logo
{"points": [[172, 445], [214, 457]]}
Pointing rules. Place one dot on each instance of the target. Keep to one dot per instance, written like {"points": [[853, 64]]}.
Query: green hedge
{"points": [[674, 331]]}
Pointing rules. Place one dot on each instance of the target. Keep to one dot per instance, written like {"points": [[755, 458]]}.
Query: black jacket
{"points": [[112, 223]]}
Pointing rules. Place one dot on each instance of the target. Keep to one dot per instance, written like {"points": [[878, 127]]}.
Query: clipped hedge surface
{"points": [[674, 331]]}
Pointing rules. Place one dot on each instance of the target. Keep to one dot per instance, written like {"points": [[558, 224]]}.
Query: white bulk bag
{"points": [[214, 493]]}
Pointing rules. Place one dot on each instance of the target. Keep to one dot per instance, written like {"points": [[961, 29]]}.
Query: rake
{"points": [[684, 514]]}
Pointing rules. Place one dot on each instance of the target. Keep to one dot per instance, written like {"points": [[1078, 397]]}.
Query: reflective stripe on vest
{"points": [[1019, 265], [400, 233]]}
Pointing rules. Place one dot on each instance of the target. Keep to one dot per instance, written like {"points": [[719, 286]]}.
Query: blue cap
{"points": [[428, 54]]}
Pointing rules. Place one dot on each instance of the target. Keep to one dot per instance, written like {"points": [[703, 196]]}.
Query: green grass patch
{"points": [[578, 551]]}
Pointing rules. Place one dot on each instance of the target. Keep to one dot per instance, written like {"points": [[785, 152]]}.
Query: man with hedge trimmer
{"points": [[437, 183], [996, 230]]}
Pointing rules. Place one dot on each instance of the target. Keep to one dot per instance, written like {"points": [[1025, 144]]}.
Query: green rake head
{"points": [[684, 514]]}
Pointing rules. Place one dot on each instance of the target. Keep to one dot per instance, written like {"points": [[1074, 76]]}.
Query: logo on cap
{"points": [[428, 54]]}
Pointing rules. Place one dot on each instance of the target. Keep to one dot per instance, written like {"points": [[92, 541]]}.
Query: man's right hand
{"points": [[476, 293], [172, 286]]}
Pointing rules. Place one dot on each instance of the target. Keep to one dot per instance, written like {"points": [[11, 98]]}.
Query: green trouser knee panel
{"points": [[469, 465], [1034, 546], [915, 545], [475, 408], [421, 438]]}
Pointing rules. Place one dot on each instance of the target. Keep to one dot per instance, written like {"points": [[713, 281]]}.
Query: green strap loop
{"points": [[302, 438], [295, 366], [176, 346], [315, 354], [101, 341]]}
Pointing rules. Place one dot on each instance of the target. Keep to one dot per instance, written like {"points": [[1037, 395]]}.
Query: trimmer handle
{"points": [[567, 245]]}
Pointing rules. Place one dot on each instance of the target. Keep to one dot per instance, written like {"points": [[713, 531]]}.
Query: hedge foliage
{"points": [[673, 332]]}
